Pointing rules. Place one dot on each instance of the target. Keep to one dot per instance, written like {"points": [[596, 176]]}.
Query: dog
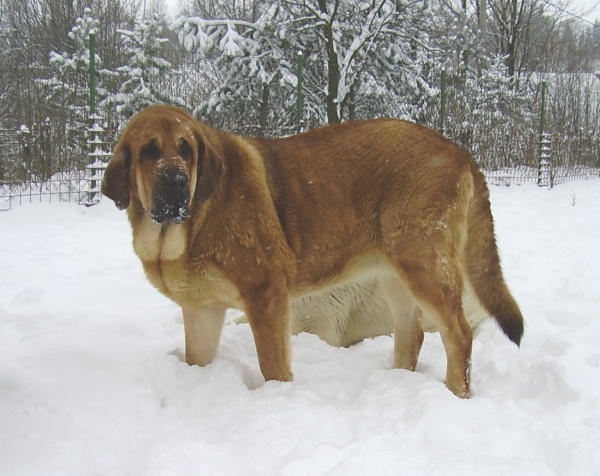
{"points": [[349, 231]]}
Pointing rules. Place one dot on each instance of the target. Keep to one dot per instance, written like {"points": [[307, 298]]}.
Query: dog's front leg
{"points": [[202, 332], [268, 312]]}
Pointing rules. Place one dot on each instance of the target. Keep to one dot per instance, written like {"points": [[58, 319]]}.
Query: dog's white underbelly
{"points": [[349, 312]]}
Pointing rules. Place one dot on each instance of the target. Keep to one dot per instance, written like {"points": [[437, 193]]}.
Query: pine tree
{"points": [[147, 70], [67, 91], [69, 87]]}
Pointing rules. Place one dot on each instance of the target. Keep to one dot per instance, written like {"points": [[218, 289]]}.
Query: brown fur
{"points": [[381, 216]]}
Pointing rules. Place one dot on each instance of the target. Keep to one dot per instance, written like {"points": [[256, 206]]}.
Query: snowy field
{"points": [[91, 381]]}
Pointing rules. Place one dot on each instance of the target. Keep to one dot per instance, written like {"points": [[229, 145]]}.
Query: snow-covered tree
{"points": [[67, 95], [484, 108], [250, 69], [68, 88], [146, 71], [366, 49], [357, 53]]}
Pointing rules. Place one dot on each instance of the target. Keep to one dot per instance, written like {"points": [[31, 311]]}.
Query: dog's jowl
{"points": [[349, 231]]}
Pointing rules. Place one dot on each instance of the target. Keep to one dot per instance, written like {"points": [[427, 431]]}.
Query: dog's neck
{"points": [[153, 242]]}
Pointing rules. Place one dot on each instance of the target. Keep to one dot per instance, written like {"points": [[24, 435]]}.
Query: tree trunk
{"points": [[352, 102], [264, 111], [333, 69]]}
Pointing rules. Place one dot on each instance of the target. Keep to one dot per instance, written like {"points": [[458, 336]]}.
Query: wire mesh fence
{"points": [[520, 146], [83, 185], [63, 187], [48, 163]]}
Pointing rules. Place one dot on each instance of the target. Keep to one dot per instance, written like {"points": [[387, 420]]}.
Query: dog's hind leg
{"points": [[408, 331], [202, 333], [436, 287]]}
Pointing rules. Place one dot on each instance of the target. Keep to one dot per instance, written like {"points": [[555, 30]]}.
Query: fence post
{"points": [[443, 102], [544, 147], [300, 92], [98, 158], [92, 46]]}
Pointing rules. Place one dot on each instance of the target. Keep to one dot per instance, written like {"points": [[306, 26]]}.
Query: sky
{"points": [[172, 6], [587, 9]]}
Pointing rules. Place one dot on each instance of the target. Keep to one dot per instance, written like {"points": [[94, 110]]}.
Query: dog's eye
{"points": [[185, 150], [149, 151]]}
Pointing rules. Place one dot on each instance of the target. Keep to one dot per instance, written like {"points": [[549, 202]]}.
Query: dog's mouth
{"points": [[175, 214], [171, 199]]}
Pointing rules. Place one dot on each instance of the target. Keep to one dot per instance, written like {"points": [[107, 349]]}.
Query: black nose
{"points": [[173, 180]]}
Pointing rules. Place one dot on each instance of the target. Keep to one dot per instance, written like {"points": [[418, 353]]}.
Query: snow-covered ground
{"points": [[91, 381]]}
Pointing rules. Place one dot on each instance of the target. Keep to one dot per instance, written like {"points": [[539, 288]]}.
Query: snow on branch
{"points": [[205, 35]]}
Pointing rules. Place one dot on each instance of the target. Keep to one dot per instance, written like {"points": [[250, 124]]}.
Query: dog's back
{"points": [[339, 189]]}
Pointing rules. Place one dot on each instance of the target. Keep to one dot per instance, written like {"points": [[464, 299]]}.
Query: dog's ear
{"points": [[210, 170], [115, 184]]}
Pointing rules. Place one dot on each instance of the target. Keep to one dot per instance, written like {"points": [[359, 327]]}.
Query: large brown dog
{"points": [[348, 231]]}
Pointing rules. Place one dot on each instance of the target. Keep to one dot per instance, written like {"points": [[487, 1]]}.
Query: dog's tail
{"points": [[483, 264]]}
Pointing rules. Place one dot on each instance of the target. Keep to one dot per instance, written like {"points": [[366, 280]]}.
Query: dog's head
{"points": [[164, 160]]}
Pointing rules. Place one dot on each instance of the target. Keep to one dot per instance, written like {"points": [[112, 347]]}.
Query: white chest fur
{"points": [[159, 242]]}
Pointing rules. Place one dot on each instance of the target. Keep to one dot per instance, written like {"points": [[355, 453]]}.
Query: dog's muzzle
{"points": [[171, 197]]}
